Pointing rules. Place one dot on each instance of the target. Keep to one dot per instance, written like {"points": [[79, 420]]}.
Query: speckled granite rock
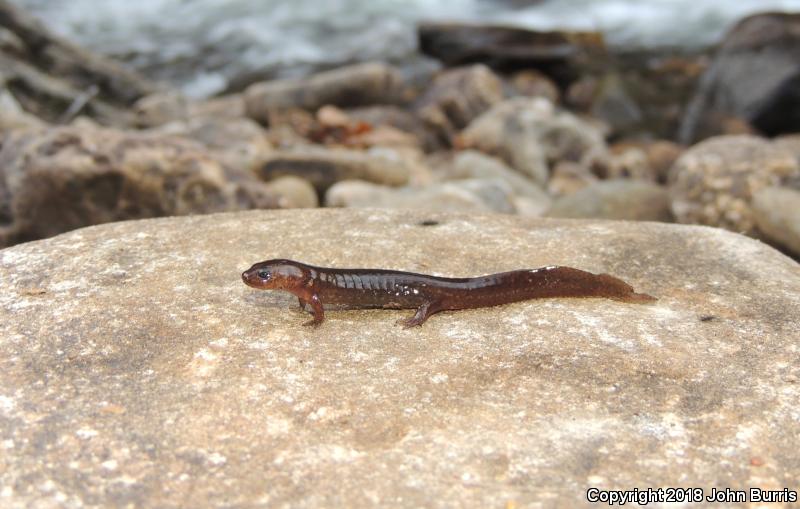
{"points": [[137, 370], [713, 182]]}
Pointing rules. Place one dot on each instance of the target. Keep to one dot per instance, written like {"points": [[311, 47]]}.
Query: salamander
{"points": [[394, 289]]}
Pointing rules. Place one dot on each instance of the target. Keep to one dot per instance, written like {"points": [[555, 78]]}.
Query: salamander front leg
{"points": [[302, 303], [317, 310], [422, 314]]}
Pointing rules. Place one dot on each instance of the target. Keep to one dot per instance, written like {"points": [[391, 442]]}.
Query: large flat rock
{"points": [[137, 370]]}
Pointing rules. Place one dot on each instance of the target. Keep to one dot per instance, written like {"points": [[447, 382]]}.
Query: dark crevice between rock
{"points": [[781, 114]]}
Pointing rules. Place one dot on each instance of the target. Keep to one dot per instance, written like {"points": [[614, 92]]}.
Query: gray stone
{"points": [[136, 370], [323, 167], [713, 182], [532, 135], [616, 199], [776, 212], [356, 85], [467, 195]]}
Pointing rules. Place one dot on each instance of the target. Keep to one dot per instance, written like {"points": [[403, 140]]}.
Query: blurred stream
{"points": [[202, 45]]}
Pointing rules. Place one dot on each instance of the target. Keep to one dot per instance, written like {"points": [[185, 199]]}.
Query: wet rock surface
{"points": [[137, 370]]}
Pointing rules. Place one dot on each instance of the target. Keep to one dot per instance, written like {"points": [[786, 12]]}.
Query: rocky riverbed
{"points": [[527, 123], [136, 369]]}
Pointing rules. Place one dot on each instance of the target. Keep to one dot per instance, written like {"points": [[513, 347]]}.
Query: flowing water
{"points": [[201, 45]]}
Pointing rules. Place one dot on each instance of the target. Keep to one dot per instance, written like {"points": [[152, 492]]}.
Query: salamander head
{"points": [[276, 275]]}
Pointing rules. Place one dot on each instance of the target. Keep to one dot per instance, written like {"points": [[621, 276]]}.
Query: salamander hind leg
{"points": [[317, 310], [422, 314]]}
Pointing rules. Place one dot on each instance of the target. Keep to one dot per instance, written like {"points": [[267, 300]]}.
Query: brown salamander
{"points": [[394, 289]]}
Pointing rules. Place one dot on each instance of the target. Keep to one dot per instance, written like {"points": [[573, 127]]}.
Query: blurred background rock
{"points": [[119, 110]]}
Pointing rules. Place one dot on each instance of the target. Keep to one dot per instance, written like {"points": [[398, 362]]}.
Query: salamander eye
{"points": [[263, 274]]}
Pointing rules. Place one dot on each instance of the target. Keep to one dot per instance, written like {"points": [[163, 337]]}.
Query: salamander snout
{"points": [[247, 278], [257, 276]]}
